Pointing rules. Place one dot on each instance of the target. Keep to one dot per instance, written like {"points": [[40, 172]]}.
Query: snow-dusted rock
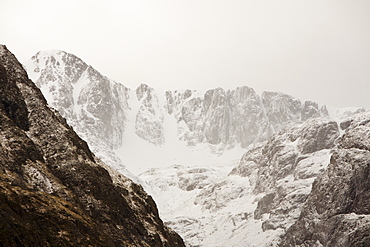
{"points": [[235, 117], [285, 168], [281, 108], [337, 210], [203, 203], [149, 118], [312, 110]]}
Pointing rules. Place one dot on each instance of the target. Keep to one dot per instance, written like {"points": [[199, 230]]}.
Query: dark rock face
{"points": [[53, 190], [11, 101], [337, 210], [264, 205]]}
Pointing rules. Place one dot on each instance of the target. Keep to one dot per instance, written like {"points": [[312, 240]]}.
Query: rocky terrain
{"points": [[53, 190]]}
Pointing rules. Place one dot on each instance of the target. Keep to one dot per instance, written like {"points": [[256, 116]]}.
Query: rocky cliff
{"points": [[149, 117], [101, 110], [53, 190], [240, 117]]}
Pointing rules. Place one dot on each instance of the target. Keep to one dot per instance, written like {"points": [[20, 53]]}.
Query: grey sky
{"points": [[313, 49]]}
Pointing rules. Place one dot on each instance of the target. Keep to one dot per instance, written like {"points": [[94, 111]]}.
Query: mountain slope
{"points": [[255, 202], [54, 191], [251, 203]]}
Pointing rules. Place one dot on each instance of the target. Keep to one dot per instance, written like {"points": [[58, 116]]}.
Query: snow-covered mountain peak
{"points": [[55, 65], [43, 56]]}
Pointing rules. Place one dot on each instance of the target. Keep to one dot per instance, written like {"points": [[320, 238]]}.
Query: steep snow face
{"points": [[92, 103], [55, 72], [247, 204]]}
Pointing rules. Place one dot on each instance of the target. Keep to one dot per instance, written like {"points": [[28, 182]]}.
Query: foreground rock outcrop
{"points": [[53, 190]]}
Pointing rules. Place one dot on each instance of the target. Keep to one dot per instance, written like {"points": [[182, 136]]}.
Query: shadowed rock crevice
{"points": [[11, 101]]}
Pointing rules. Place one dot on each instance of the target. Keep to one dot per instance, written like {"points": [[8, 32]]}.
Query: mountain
{"points": [[53, 190], [121, 124], [187, 145]]}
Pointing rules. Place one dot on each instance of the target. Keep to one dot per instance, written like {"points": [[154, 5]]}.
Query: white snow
{"points": [[228, 222], [77, 88]]}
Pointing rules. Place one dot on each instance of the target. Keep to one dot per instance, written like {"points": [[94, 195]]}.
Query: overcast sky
{"points": [[312, 49]]}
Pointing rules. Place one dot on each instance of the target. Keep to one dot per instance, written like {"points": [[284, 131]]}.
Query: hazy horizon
{"points": [[312, 50]]}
